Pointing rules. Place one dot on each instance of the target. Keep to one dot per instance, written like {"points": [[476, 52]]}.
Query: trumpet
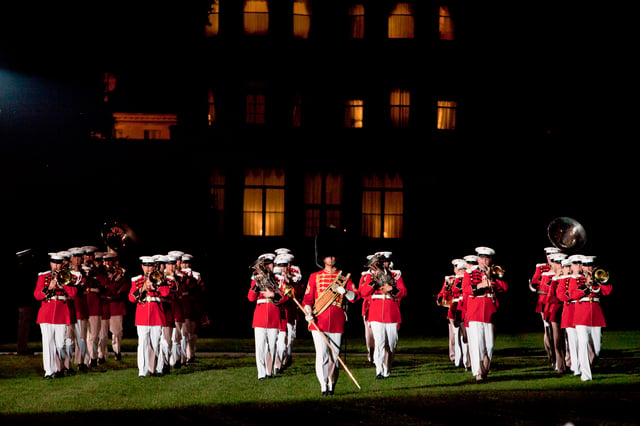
{"points": [[63, 276], [496, 271], [600, 275]]}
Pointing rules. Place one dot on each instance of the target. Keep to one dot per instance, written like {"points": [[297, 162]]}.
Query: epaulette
{"points": [[44, 272], [472, 268], [540, 265], [137, 277], [548, 273]]}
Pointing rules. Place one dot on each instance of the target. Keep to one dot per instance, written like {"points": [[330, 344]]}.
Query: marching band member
{"points": [[267, 295], [82, 309], [552, 313], [386, 288], [53, 289], [588, 317], [535, 286], [570, 266], [168, 303], [330, 321], [180, 332], [118, 288], [289, 276], [147, 293], [481, 286], [366, 303], [96, 288], [192, 305], [452, 292]]}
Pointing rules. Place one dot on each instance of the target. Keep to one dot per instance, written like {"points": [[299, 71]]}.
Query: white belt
{"points": [[152, 299], [259, 301], [589, 299], [457, 299], [382, 296], [485, 295], [58, 298], [93, 290]]}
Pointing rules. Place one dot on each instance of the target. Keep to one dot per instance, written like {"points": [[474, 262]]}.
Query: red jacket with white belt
{"points": [[333, 318], [54, 308], [149, 309], [587, 307], [268, 313], [384, 307], [480, 303]]}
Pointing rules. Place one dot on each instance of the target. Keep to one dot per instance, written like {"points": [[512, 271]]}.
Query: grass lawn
{"points": [[425, 388]]}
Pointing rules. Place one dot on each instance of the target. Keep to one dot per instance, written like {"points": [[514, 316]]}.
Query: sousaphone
{"points": [[567, 234], [117, 236]]}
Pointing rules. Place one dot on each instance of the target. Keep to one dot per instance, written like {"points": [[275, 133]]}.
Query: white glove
{"points": [[350, 295], [341, 290], [308, 316]]}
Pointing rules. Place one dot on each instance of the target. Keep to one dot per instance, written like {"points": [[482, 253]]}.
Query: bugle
{"points": [[600, 275]]}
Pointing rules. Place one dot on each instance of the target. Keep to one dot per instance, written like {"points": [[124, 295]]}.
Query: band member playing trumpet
{"points": [[586, 290], [54, 288], [328, 320], [267, 315], [570, 266], [96, 289], [450, 296], [480, 287], [147, 291], [552, 313], [386, 288]]}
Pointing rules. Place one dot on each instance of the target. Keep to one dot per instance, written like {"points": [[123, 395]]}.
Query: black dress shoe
{"points": [[325, 393], [101, 360], [379, 377], [330, 392], [118, 356], [48, 377], [93, 363]]}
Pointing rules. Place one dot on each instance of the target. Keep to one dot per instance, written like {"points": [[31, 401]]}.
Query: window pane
{"points": [[312, 188], [445, 24], [274, 223], [252, 200], [356, 21], [274, 177], [401, 21], [354, 113], [446, 115], [393, 202], [256, 17], [252, 224], [301, 18], [255, 109], [333, 218], [370, 226], [212, 27], [334, 189], [392, 226], [312, 222], [399, 107]]}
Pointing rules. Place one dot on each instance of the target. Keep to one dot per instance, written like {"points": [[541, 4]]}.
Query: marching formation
{"points": [[280, 297], [471, 297], [83, 298], [569, 289]]}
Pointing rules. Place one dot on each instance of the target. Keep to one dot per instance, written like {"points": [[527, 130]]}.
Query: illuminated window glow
{"points": [[356, 21], [256, 17], [264, 202], [447, 115], [255, 109], [212, 27], [382, 206], [401, 21], [354, 113], [301, 18], [445, 24], [399, 104]]}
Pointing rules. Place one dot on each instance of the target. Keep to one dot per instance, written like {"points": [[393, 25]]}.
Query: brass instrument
{"points": [[157, 278], [496, 271], [567, 234], [117, 236], [63, 276], [600, 275], [264, 278]]}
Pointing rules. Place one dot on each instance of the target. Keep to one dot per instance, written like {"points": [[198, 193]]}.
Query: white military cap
{"points": [[566, 262], [76, 251], [187, 258], [55, 258], [471, 258], [162, 259], [588, 260], [550, 250], [459, 263], [176, 253], [89, 249], [485, 251], [575, 258], [147, 260], [283, 251], [66, 254], [283, 259], [557, 257]]}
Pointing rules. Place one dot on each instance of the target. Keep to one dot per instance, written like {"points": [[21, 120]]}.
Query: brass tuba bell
{"points": [[117, 236], [567, 234]]}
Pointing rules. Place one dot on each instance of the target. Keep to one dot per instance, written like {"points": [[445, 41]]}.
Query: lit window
{"points": [[255, 108], [256, 17], [354, 113], [401, 21], [445, 24], [212, 27], [356, 21], [322, 199], [211, 115], [399, 104], [264, 202], [382, 206], [216, 187], [301, 18], [446, 115]]}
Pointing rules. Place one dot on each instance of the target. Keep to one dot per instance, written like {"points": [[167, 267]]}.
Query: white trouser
{"points": [[368, 339], [93, 336], [81, 340], [572, 345], [461, 348], [115, 326], [53, 350], [589, 341], [326, 360], [481, 340], [266, 342], [166, 344], [385, 337], [176, 347], [148, 346], [70, 345]]}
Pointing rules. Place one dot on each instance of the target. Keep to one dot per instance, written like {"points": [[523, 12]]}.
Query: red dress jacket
{"points": [[366, 301], [117, 295], [54, 308], [587, 307], [552, 305], [384, 308], [535, 284], [454, 294], [480, 303], [333, 318], [149, 309], [267, 313], [568, 307]]}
